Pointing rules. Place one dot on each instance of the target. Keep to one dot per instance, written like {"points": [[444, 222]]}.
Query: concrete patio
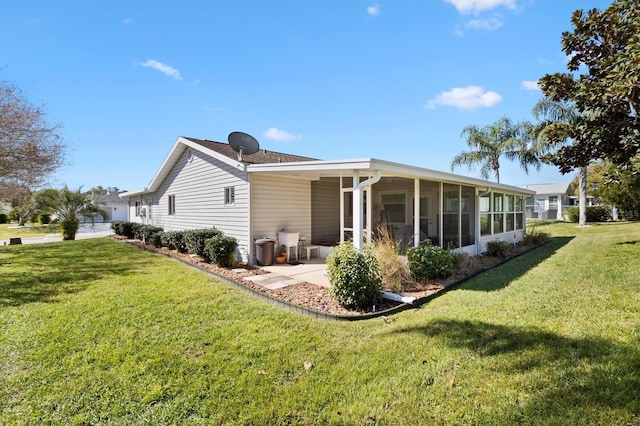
{"points": [[312, 271]]}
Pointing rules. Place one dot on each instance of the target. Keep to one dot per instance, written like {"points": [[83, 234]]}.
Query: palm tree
{"points": [[70, 205], [489, 143], [557, 119]]}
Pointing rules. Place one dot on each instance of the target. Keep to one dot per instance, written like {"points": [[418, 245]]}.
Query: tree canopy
{"points": [[31, 149], [603, 83], [489, 143]]}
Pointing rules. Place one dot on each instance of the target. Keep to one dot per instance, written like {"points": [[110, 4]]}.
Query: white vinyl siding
{"points": [[198, 186], [280, 202]]}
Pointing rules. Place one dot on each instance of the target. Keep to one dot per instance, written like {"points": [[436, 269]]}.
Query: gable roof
{"points": [[278, 162], [549, 188]]}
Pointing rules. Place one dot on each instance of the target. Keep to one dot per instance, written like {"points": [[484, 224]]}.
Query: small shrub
{"points": [[393, 270], [465, 264], [117, 227], [173, 240], [45, 219], [221, 250], [194, 239], [155, 238], [126, 229], [497, 248], [354, 276], [4, 218], [69, 228], [428, 262], [145, 232], [534, 238]]}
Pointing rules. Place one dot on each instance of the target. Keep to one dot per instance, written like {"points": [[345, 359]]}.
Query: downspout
{"points": [[357, 205]]}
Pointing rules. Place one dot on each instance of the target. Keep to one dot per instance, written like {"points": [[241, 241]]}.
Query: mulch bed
{"points": [[312, 296]]}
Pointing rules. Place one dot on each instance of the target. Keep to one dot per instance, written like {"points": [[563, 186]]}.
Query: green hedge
{"points": [[221, 250], [194, 239], [428, 261], [594, 214], [4, 218]]}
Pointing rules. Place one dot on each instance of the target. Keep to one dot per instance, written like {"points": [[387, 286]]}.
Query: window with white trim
{"points": [[229, 195]]}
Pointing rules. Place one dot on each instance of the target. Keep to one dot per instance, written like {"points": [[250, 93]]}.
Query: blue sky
{"points": [[396, 80]]}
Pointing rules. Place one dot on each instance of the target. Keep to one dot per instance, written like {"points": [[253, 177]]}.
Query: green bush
{"points": [[194, 239], [594, 214], [117, 227], [45, 219], [221, 250], [535, 238], [145, 232], [126, 229], [428, 262], [14, 215], [69, 228], [354, 276], [497, 248], [173, 240], [4, 218]]}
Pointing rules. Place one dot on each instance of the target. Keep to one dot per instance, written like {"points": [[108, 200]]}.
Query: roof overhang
{"points": [[344, 168]]}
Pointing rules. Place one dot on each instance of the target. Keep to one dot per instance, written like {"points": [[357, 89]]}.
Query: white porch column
{"points": [[416, 212], [357, 211]]}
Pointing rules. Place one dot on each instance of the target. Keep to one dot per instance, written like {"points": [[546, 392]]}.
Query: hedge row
{"points": [[210, 243]]}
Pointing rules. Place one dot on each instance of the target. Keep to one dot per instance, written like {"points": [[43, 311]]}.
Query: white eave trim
{"points": [[386, 167]]}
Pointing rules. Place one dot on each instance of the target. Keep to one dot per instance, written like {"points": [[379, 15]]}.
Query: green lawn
{"points": [[31, 230], [98, 332]]}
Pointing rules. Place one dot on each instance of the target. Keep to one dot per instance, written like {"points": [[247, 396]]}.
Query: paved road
{"points": [[85, 231]]}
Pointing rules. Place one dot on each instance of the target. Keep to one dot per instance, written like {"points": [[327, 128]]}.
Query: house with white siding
{"points": [[549, 201], [203, 183]]}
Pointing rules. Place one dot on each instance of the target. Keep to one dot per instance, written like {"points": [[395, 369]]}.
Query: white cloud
{"points": [[489, 24], [164, 69], [530, 85], [470, 97], [475, 6], [280, 135], [373, 10]]}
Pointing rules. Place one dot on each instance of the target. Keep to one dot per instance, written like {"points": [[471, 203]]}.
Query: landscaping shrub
{"points": [[535, 238], [594, 214], [497, 248], [354, 276], [117, 227], [428, 262], [194, 239], [465, 264], [69, 228], [126, 229], [146, 232], [173, 240], [4, 218], [393, 269], [45, 219], [221, 250]]}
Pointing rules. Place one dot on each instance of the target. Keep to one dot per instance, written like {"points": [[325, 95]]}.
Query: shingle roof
{"points": [[263, 156], [548, 188]]}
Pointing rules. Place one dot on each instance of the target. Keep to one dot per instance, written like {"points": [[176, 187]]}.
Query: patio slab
{"points": [[312, 271]]}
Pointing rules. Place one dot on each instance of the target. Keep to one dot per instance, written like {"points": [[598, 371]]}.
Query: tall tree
{"points": [[489, 143], [556, 123], [31, 149], [603, 84]]}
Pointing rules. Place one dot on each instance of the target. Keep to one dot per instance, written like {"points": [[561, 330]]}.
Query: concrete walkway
{"points": [[85, 231], [312, 271]]}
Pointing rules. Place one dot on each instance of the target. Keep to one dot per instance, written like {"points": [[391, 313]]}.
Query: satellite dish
{"points": [[243, 143]]}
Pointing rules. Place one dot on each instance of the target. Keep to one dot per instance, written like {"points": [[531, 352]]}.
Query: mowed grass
{"points": [[10, 230], [98, 332]]}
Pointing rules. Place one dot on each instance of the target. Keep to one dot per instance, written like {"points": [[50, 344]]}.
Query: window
{"points": [[229, 195], [510, 215], [498, 216], [172, 205], [519, 214], [485, 214], [137, 208]]}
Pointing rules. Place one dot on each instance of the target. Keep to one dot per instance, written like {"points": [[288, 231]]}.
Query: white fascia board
{"points": [[129, 194], [386, 167]]}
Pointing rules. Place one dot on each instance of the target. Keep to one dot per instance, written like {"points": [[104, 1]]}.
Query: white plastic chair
{"points": [[289, 240]]}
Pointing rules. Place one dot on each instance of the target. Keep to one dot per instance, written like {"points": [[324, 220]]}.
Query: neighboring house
{"points": [[550, 200], [203, 183], [116, 207]]}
